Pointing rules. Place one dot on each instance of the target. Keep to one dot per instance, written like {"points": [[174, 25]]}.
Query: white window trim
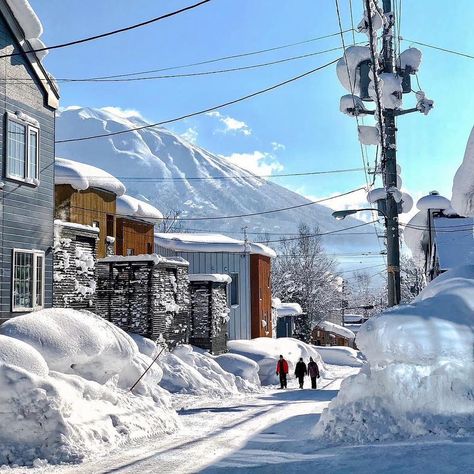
{"points": [[35, 307], [28, 127]]}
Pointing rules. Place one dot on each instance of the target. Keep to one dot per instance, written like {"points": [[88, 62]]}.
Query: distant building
{"points": [[249, 266], [29, 101], [135, 225], [87, 195], [326, 333], [285, 317]]}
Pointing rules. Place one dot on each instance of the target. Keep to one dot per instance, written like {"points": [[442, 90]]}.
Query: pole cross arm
{"points": [[407, 111]]}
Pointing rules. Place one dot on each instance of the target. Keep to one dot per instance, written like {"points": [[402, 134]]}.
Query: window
{"points": [[234, 289], [130, 252], [110, 225], [96, 224], [28, 280], [22, 150]]}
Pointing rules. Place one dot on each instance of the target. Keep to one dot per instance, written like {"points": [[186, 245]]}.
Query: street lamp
{"points": [[393, 256]]}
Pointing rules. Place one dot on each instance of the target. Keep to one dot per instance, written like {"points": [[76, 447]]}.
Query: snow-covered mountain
{"points": [[139, 157]]}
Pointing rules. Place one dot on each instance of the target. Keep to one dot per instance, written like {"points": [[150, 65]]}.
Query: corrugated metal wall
{"points": [[207, 262]]}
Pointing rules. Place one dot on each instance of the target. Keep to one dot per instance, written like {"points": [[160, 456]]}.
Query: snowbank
{"points": [[419, 379], [128, 206], [65, 378], [210, 243], [341, 355], [266, 352], [240, 366], [187, 370], [81, 177]]}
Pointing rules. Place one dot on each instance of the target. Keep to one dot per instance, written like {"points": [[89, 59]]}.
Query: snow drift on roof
{"points": [[154, 258], [213, 277], [288, 309], [128, 206], [336, 329], [81, 177], [210, 243], [433, 201], [26, 17], [463, 183]]}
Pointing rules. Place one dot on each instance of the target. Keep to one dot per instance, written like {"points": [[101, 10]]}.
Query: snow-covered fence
{"points": [[209, 312], [146, 295], [75, 257]]}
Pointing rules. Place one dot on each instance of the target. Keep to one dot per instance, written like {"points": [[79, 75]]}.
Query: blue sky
{"points": [[293, 129]]}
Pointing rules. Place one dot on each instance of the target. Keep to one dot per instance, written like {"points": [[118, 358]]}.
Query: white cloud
{"points": [[190, 135], [231, 124], [257, 162], [124, 113], [278, 146]]}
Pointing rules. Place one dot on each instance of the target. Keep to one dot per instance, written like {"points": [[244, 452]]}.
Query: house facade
{"points": [[87, 195], [248, 265], [29, 99], [135, 224]]}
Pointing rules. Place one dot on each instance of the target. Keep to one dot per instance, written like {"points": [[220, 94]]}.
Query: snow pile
{"points": [[369, 135], [128, 206], [211, 277], [65, 378], [433, 201], [81, 177], [391, 86], [419, 379], [266, 352], [463, 184], [410, 58], [188, 370], [352, 105], [341, 355], [347, 67], [210, 243], [416, 237], [244, 369], [288, 309]]}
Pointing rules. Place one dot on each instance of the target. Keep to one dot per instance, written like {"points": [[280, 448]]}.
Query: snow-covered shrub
{"points": [[266, 351], [61, 373], [420, 374]]}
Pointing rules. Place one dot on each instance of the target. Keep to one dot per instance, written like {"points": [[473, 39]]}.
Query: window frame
{"points": [[36, 254], [27, 179], [234, 283]]}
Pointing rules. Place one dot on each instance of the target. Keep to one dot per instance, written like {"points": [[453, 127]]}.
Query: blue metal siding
{"points": [[26, 211], [220, 262]]}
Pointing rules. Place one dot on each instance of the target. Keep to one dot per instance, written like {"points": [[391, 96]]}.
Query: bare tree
{"points": [[412, 279], [303, 273]]}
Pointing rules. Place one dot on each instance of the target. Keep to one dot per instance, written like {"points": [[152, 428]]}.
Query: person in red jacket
{"points": [[282, 371]]}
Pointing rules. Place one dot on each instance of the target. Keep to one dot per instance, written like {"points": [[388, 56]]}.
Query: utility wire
{"points": [[451, 51], [175, 76], [200, 112], [110, 33], [222, 58], [241, 176]]}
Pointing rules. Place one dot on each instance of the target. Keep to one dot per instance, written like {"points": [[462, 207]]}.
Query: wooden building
{"points": [[135, 226], [29, 101], [249, 266], [326, 333], [87, 195]]}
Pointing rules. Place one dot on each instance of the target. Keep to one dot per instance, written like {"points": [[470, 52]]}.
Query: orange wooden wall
{"points": [[261, 296], [135, 235]]}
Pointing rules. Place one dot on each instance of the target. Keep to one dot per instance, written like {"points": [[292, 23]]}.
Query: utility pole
{"points": [[390, 168]]}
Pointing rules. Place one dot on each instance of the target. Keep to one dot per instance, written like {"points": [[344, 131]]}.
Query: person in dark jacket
{"points": [[300, 371], [282, 371], [313, 371]]}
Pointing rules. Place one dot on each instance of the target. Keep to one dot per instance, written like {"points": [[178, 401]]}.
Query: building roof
{"points": [[130, 207], [81, 177], [336, 329], [353, 318], [288, 309], [212, 277], [454, 241], [27, 28], [210, 243]]}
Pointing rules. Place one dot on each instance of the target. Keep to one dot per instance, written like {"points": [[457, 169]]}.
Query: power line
{"points": [[200, 112], [241, 176], [439, 48], [222, 58], [109, 33]]}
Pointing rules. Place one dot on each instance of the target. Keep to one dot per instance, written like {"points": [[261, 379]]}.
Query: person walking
{"points": [[282, 371], [313, 371], [301, 371]]}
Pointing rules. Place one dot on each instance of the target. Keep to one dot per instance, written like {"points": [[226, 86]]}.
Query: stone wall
{"points": [[146, 295], [74, 260], [209, 316]]}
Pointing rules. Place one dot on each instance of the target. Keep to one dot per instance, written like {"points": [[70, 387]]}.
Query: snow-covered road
{"points": [[271, 432]]}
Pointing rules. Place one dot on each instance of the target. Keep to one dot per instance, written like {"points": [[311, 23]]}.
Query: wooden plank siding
{"points": [[88, 207], [134, 235], [261, 296], [26, 210]]}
